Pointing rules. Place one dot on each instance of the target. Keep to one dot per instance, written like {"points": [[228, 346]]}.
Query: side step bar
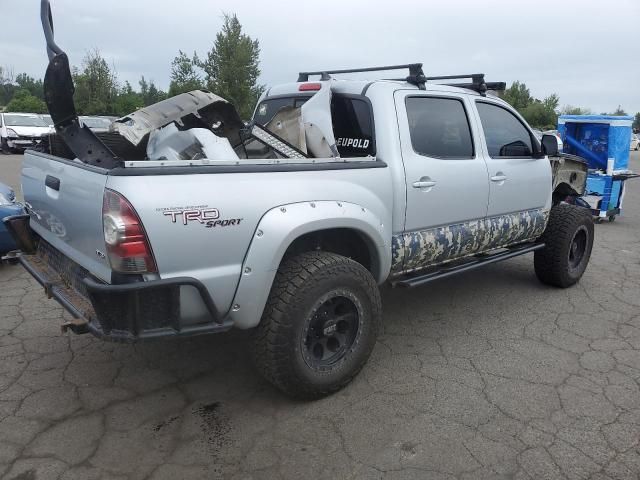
{"points": [[475, 262]]}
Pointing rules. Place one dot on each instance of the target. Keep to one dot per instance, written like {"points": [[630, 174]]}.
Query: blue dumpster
{"points": [[603, 141], [597, 138]]}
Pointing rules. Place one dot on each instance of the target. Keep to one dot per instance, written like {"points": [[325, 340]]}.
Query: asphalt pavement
{"points": [[485, 375]]}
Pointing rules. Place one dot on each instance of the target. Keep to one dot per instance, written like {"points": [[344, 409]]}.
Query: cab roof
{"points": [[415, 80], [359, 87]]}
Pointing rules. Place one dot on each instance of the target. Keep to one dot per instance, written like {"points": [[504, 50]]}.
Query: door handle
{"points": [[424, 184], [499, 177], [52, 182]]}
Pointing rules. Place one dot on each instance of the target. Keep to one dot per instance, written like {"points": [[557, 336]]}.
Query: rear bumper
{"points": [[132, 312]]}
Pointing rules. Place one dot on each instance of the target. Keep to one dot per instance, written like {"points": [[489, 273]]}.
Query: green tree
{"points": [[33, 86], [619, 112], [23, 101], [7, 87], [149, 92], [96, 85], [232, 67], [571, 110], [127, 101], [518, 95], [636, 122], [551, 102], [184, 74], [539, 115]]}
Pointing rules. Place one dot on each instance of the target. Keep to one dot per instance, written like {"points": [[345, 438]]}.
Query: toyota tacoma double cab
{"points": [[185, 220]]}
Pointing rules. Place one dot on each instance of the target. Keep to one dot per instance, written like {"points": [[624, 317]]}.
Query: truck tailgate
{"points": [[64, 199]]}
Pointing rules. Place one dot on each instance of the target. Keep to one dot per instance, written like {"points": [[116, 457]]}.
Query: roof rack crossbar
{"points": [[473, 76], [416, 75], [480, 88], [477, 84]]}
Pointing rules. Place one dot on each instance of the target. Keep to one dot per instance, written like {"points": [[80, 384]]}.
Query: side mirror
{"points": [[549, 145]]}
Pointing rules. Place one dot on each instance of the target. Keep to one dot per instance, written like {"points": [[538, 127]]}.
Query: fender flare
{"points": [[277, 230]]}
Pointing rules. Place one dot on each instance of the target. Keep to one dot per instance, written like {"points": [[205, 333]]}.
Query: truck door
{"points": [[519, 183], [446, 177]]}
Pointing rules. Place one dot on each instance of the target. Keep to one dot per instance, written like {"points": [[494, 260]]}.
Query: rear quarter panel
{"points": [[215, 255]]}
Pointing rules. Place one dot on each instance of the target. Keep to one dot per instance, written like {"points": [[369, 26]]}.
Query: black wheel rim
{"points": [[331, 331], [578, 247]]}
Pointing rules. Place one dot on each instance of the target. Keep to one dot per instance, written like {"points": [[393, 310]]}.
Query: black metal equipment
{"points": [[477, 84], [58, 94], [416, 77]]}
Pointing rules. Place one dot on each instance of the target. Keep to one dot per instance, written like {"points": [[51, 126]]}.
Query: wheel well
{"points": [[343, 241], [562, 191]]}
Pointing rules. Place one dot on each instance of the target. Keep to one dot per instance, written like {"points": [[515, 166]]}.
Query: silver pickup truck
{"points": [[334, 187]]}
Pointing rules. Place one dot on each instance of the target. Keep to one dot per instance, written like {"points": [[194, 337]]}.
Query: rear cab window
{"points": [[352, 119]]}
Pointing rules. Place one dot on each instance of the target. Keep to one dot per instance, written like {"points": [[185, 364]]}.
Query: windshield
{"points": [[47, 119], [96, 122], [24, 121]]}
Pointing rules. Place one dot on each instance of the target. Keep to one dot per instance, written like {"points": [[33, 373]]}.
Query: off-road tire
{"points": [[553, 264], [301, 282]]}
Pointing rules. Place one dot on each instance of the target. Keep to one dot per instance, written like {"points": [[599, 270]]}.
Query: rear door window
{"points": [[439, 127]]}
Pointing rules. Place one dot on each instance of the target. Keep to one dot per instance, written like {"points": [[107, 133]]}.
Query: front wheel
{"points": [[319, 326], [568, 241]]}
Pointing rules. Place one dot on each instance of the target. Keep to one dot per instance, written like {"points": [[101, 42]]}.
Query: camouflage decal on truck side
{"points": [[414, 250]]}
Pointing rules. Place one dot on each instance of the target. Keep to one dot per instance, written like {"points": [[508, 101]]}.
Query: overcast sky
{"points": [[586, 51]]}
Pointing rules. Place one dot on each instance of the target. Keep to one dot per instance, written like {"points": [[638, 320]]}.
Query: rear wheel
{"points": [[319, 326], [568, 241]]}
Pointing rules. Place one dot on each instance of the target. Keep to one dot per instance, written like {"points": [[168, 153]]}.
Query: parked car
{"points": [[8, 208], [19, 131], [47, 119], [97, 124], [635, 141], [289, 225], [537, 133]]}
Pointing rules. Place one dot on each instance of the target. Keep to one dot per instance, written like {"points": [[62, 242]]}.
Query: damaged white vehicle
{"points": [[182, 220]]}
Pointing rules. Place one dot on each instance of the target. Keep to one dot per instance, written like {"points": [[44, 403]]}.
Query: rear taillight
{"points": [[128, 248]]}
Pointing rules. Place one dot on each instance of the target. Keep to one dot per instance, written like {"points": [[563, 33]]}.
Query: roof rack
{"points": [[477, 84], [416, 75]]}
